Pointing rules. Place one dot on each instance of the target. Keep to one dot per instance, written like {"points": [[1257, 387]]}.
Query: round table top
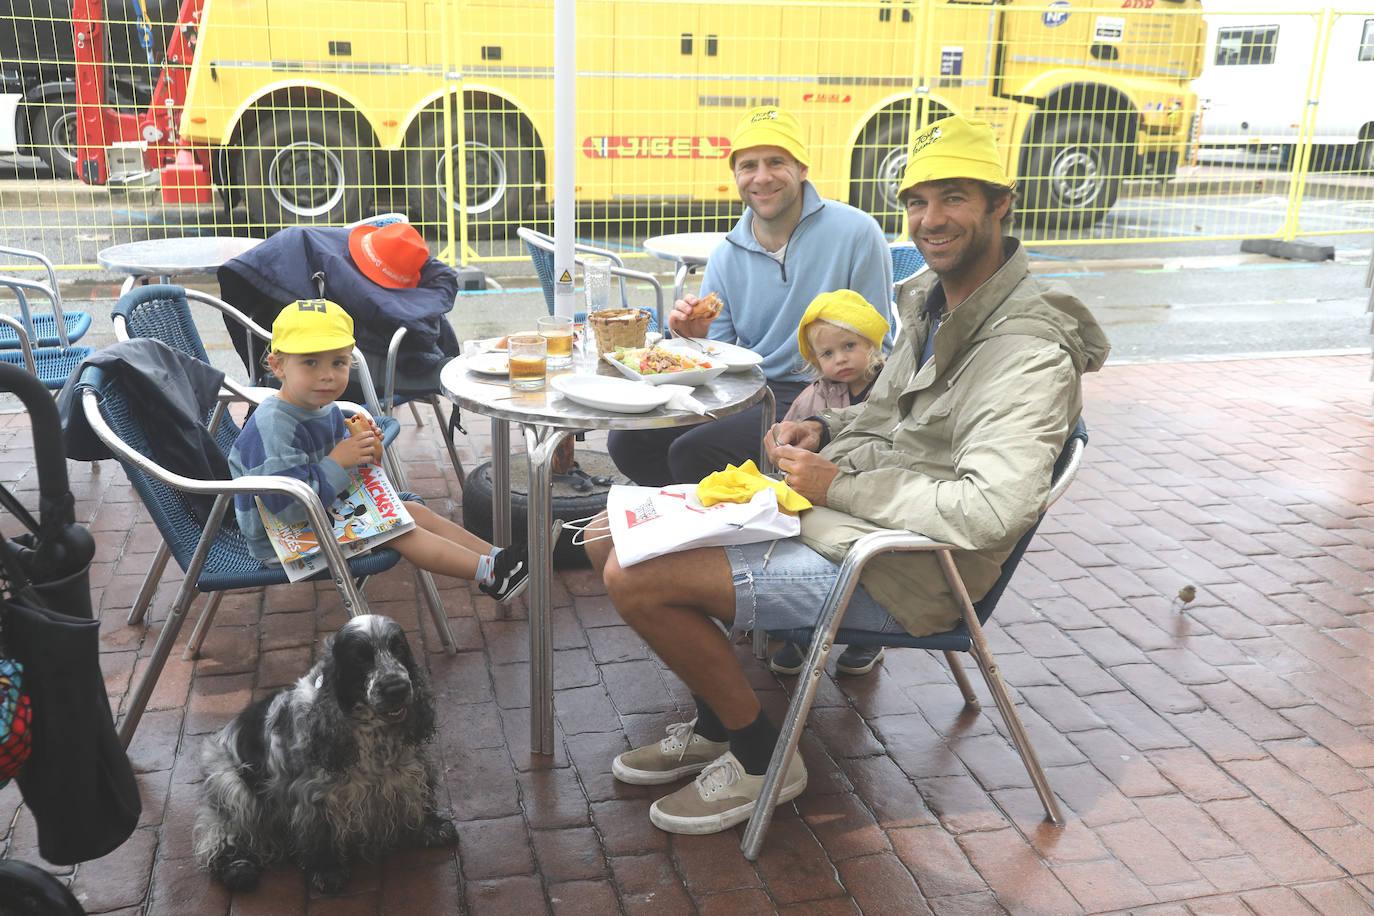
{"points": [[167, 257], [493, 397], [690, 248]]}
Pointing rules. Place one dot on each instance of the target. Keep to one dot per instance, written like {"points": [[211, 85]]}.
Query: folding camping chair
{"points": [[215, 556], [966, 637]]}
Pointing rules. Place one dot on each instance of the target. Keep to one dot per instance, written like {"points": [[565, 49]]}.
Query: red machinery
{"points": [[184, 172]]}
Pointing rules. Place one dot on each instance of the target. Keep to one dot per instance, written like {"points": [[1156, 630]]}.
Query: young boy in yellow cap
{"points": [[300, 433]]}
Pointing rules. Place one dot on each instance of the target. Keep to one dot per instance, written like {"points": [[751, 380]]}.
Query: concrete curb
{"points": [[49, 192]]}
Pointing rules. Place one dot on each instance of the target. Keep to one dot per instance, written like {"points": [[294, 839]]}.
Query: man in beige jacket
{"points": [[957, 441]]}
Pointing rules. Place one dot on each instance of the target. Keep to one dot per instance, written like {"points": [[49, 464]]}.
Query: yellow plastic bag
{"points": [[739, 484]]}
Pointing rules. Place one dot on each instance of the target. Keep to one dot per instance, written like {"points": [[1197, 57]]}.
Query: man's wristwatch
{"points": [[825, 429]]}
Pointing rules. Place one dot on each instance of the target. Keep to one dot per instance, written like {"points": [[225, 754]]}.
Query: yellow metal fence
{"points": [[1124, 121]]}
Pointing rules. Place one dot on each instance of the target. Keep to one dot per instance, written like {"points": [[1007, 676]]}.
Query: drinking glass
{"points": [[557, 331], [596, 292], [528, 361]]}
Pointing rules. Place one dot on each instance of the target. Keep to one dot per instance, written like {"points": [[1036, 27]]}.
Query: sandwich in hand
{"points": [[707, 307]]}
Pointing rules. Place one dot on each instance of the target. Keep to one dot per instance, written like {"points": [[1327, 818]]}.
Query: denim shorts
{"points": [[787, 589]]}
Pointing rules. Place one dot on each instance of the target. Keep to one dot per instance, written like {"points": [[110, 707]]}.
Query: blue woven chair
{"points": [[540, 249], [58, 328], [215, 556], [907, 260], [966, 637], [51, 365]]}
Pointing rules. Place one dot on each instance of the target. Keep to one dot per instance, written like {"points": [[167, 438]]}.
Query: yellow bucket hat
{"points": [[770, 126], [848, 310], [954, 147], [312, 326]]}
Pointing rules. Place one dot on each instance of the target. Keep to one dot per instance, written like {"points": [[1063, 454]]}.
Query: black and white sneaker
{"points": [[511, 575]]}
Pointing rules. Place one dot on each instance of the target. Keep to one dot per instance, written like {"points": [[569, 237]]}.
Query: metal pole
{"points": [[540, 445], [564, 158], [500, 483]]}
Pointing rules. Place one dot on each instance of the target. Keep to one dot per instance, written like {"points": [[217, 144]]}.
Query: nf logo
{"points": [[924, 140], [1057, 14]]}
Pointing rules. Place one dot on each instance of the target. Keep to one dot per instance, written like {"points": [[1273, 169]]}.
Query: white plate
{"points": [[489, 364], [604, 393], [689, 377], [735, 358], [486, 345]]}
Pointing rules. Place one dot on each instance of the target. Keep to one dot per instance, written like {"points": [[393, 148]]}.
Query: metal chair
{"points": [[540, 249], [966, 637], [59, 328], [50, 364], [215, 556]]}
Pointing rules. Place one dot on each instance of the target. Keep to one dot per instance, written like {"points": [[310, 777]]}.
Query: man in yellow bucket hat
{"points": [[957, 441], [789, 246]]}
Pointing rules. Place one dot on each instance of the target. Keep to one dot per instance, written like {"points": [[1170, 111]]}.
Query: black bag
{"points": [[78, 782]]}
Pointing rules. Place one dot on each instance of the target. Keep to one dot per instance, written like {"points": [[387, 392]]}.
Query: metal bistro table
{"points": [[689, 250], [548, 419], [168, 258]]}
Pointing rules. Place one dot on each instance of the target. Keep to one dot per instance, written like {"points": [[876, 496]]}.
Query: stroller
{"points": [[58, 734]]}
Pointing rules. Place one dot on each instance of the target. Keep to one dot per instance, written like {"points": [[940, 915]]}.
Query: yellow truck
{"points": [[307, 108]]}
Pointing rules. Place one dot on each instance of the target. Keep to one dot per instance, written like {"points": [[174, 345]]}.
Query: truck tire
{"points": [[501, 173], [878, 165], [52, 133], [1072, 175], [1364, 157], [305, 167]]}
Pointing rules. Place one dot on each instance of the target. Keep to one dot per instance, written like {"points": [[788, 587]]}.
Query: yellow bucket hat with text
{"points": [[312, 326], [770, 126], [846, 309], [954, 147]]}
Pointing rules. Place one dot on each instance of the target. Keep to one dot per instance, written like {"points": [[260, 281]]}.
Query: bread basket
{"points": [[618, 328]]}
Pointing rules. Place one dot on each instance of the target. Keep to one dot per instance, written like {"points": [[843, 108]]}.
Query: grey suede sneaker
{"points": [[721, 797], [682, 753]]}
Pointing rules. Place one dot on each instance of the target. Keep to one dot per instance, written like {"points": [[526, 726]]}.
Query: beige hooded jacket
{"points": [[961, 451]]}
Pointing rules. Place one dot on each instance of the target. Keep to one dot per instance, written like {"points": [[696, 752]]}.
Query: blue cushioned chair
{"points": [[966, 637], [58, 328], [215, 556], [540, 249]]}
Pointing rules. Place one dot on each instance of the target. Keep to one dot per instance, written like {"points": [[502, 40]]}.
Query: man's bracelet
{"points": [[825, 429]]}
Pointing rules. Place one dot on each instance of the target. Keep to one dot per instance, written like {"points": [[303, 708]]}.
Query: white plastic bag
{"points": [[649, 522]]}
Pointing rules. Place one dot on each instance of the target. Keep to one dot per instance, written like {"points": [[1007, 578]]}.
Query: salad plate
{"points": [[603, 393], [734, 357], [661, 366], [489, 364]]}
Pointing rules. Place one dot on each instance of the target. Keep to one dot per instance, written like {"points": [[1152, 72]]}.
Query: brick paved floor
{"points": [[1216, 757]]}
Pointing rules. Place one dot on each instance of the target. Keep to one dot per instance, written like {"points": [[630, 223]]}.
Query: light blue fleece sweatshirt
{"points": [[833, 247]]}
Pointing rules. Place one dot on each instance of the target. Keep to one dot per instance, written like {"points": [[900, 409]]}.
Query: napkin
{"points": [[739, 484], [682, 399]]}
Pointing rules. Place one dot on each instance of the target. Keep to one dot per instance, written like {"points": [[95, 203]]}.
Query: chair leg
{"points": [[394, 471], [185, 595], [981, 654], [760, 642], [447, 432], [956, 668], [150, 583], [202, 627], [414, 412], [827, 624], [436, 612]]}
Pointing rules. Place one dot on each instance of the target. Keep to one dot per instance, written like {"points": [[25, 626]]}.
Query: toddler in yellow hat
{"points": [[841, 339], [301, 433]]}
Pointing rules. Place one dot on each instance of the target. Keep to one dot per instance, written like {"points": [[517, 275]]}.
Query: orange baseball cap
{"points": [[390, 256]]}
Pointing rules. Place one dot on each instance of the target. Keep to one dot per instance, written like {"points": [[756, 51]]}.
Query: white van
{"points": [[1253, 87]]}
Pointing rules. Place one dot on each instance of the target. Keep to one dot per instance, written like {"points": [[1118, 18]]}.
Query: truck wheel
{"points": [[52, 134], [1364, 157], [877, 168], [1072, 175], [501, 175], [304, 167]]}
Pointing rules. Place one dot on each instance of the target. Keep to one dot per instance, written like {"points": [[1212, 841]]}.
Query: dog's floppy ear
{"points": [[332, 745], [421, 724]]}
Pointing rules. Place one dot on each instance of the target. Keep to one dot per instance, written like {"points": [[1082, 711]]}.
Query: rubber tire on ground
{"points": [[1062, 138], [501, 186], [477, 497], [48, 119], [333, 135], [876, 169]]}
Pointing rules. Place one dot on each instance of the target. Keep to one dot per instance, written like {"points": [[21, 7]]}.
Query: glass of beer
{"points": [[557, 331], [528, 361]]}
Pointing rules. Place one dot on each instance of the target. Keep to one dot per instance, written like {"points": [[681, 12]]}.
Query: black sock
{"points": [[708, 724], [753, 745]]}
